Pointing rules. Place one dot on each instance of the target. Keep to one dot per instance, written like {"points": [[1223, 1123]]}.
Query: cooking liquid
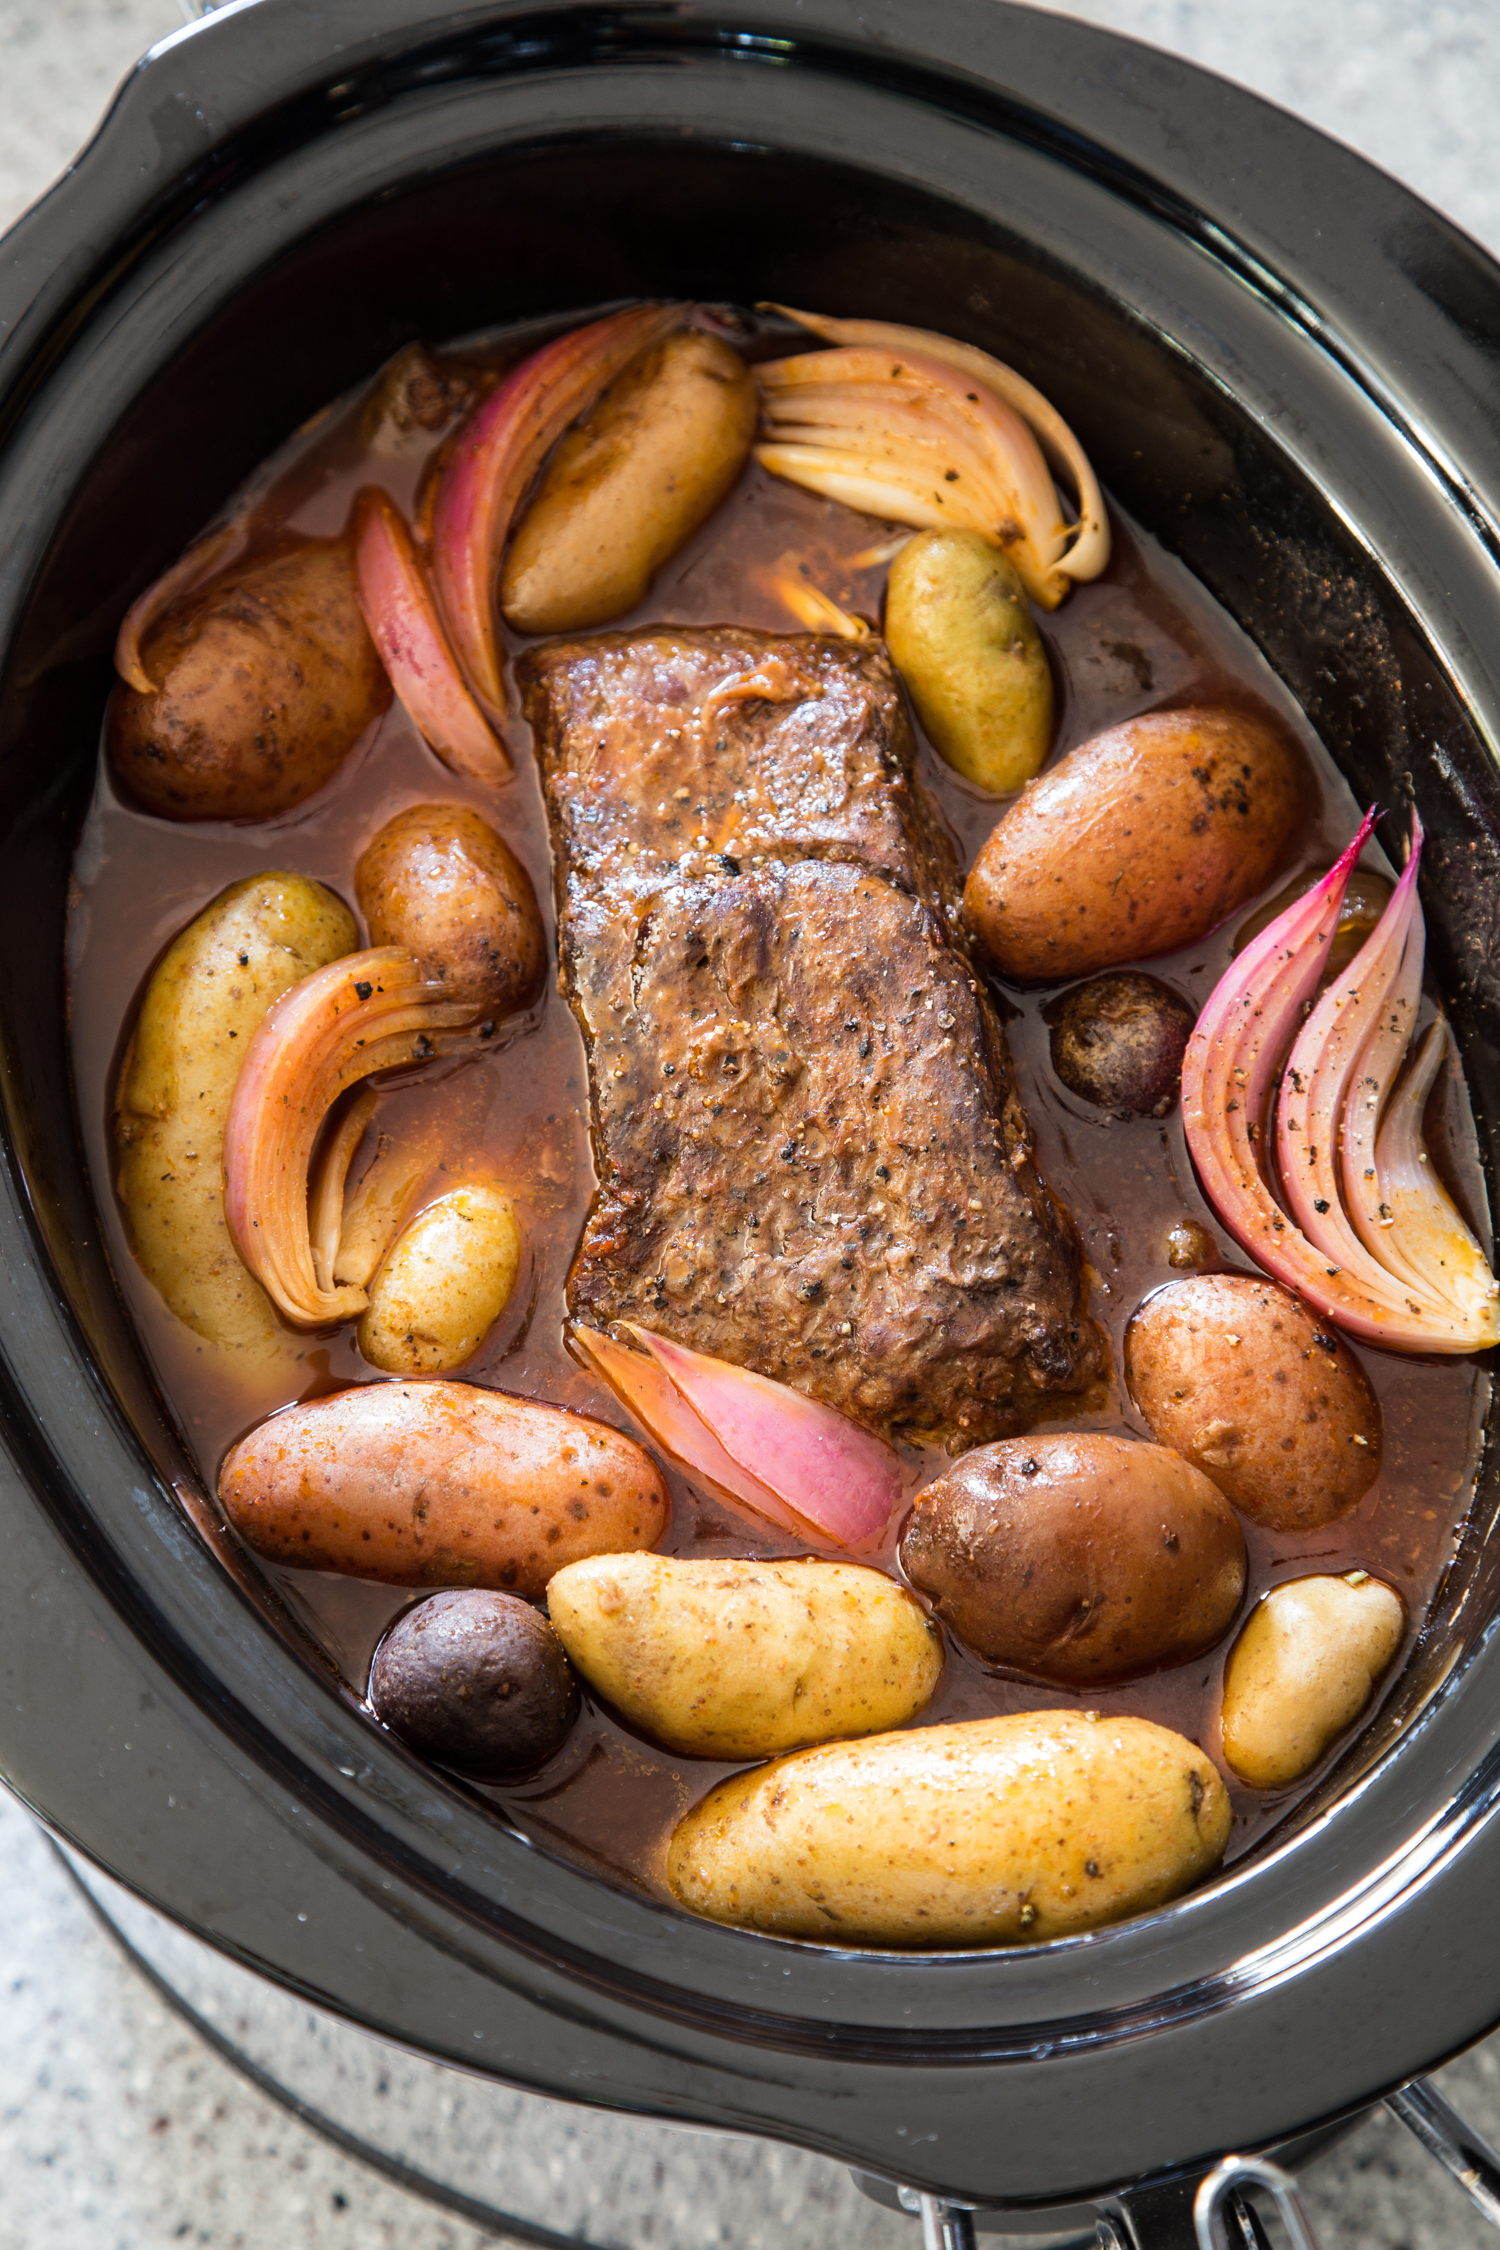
{"points": [[1144, 634]]}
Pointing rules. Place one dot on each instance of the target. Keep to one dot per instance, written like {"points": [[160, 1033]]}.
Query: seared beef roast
{"points": [[811, 1158]]}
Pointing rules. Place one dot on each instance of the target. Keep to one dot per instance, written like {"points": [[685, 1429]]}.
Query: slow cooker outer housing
{"points": [[1287, 367]]}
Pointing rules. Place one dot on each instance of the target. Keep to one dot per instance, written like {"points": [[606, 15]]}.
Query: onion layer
{"points": [[1380, 1248], [367, 1012], [792, 1460], [499, 450], [190, 570], [1088, 552], [404, 625]]}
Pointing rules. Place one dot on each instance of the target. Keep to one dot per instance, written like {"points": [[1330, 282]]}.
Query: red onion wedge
{"points": [[1343, 1264], [499, 451], [404, 625], [200, 562], [792, 1460], [367, 1012], [1089, 537]]}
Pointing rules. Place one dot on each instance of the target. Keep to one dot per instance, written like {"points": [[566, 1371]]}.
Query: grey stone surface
{"points": [[120, 2129]]}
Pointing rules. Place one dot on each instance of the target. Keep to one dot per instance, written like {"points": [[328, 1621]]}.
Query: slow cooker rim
{"points": [[904, 1960]]}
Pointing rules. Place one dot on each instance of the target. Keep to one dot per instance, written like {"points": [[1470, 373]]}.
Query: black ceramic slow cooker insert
{"points": [[1285, 367]]}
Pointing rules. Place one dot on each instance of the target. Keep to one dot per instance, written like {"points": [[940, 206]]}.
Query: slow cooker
{"points": [[1287, 368]]}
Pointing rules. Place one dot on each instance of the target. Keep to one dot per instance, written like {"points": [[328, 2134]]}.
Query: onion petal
{"points": [[201, 561], [498, 452], [653, 1398], [1317, 1084], [795, 1461], [369, 1011], [1426, 1232], [404, 625], [1227, 1077], [918, 442], [1089, 551]]}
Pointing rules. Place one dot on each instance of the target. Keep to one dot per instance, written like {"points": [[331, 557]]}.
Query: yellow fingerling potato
{"points": [[987, 1832], [1303, 1669], [205, 998], [961, 635], [444, 1283], [745, 1659], [629, 485]]}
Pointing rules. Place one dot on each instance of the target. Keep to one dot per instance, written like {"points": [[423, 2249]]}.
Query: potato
{"points": [[1304, 1668], [960, 633], [744, 1659], [444, 1283], [439, 881], [477, 1681], [1136, 842], [1078, 1559], [1238, 1376], [265, 680], [1118, 1042], [630, 485], [1035, 1825], [204, 999], [440, 1484]]}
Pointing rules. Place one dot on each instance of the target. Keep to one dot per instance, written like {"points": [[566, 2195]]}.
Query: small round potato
{"points": [[1118, 1042], [439, 881], [1137, 842], [265, 680], [205, 998], [988, 1832], [1303, 1669], [630, 485], [440, 1484], [745, 1659], [477, 1681], [1081, 1559], [444, 1283], [1245, 1382], [960, 633]]}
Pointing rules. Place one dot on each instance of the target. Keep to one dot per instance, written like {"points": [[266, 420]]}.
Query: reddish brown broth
{"points": [[1144, 634]]}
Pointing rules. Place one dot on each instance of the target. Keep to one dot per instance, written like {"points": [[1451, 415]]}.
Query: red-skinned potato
{"points": [[1080, 1559], [1247, 1383], [441, 884], [264, 679], [1136, 843], [440, 1484]]}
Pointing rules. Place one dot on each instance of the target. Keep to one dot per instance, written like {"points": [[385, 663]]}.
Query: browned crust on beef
{"points": [[811, 1155]]}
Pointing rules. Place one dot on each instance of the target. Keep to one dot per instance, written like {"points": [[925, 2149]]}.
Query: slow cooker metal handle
{"points": [[1220, 2188], [1464, 2154]]}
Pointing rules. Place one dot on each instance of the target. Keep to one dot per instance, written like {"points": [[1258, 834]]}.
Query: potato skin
{"points": [[1303, 1669], [1081, 1559], [994, 1831], [1136, 842], [630, 485], [443, 1284], [477, 1681], [440, 1484], [1241, 1379], [439, 881], [745, 1659], [266, 678], [205, 997], [960, 633], [1118, 1042]]}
